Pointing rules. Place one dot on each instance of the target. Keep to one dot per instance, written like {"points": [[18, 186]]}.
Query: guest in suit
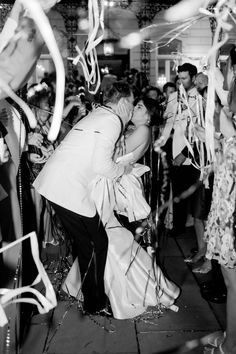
{"points": [[180, 115], [87, 151]]}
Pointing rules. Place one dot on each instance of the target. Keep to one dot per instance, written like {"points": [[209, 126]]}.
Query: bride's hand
{"points": [[35, 139]]}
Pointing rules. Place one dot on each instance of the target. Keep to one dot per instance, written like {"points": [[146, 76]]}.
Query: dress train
{"points": [[132, 279]]}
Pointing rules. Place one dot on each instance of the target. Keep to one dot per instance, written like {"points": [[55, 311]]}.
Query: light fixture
{"points": [[161, 80], [105, 70], [108, 47]]}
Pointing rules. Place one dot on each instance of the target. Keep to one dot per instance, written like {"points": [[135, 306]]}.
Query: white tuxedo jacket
{"points": [[85, 152]]}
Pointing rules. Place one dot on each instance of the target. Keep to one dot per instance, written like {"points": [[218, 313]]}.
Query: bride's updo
{"points": [[152, 107]]}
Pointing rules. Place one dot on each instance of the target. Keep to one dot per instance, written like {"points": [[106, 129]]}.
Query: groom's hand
{"points": [[124, 109]]}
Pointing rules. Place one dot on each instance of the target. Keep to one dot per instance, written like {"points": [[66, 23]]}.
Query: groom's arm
{"points": [[103, 163]]}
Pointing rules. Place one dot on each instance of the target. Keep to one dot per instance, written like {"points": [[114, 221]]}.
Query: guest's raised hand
{"points": [[35, 139], [35, 158], [45, 152], [226, 123]]}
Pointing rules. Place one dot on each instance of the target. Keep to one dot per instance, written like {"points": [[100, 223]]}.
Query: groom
{"points": [[86, 152]]}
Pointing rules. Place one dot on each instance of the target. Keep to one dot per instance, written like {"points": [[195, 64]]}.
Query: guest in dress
{"points": [[220, 228], [220, 233]]}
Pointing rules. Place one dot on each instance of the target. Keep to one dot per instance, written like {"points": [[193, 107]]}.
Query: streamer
{"points": [[19, 49], [9, 296], [37, 14], [87, 57]]}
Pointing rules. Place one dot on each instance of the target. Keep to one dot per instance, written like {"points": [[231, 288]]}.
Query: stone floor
{"points": [[65, 331]]}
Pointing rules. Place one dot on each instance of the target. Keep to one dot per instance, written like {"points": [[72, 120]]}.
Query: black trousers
{"points": [[182, 178], [90, 242]]}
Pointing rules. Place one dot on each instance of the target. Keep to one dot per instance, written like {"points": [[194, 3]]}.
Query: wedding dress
{"points": [[132, 280]]}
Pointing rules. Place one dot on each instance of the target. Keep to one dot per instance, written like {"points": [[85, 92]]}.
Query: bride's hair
{"points": [[152, 107]]}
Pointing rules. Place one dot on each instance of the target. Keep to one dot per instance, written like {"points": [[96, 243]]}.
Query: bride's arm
{"points": [[138, 142]]}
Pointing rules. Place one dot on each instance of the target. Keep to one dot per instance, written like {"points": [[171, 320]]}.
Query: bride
{"points": [[132, 280]]}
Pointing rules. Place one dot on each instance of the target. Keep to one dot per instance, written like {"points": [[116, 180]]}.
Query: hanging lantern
{"points": [[108, 47]]}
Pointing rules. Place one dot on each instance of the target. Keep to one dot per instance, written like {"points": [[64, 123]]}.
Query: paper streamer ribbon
{"points": [[186, 9], [190, 123], [9, 296], [220, 14], [159, 41], [30, 115], [37, 14], [88, 56]]}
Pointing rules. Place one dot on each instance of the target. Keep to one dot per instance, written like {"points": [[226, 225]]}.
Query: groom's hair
{"points": [[116, 91]]}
